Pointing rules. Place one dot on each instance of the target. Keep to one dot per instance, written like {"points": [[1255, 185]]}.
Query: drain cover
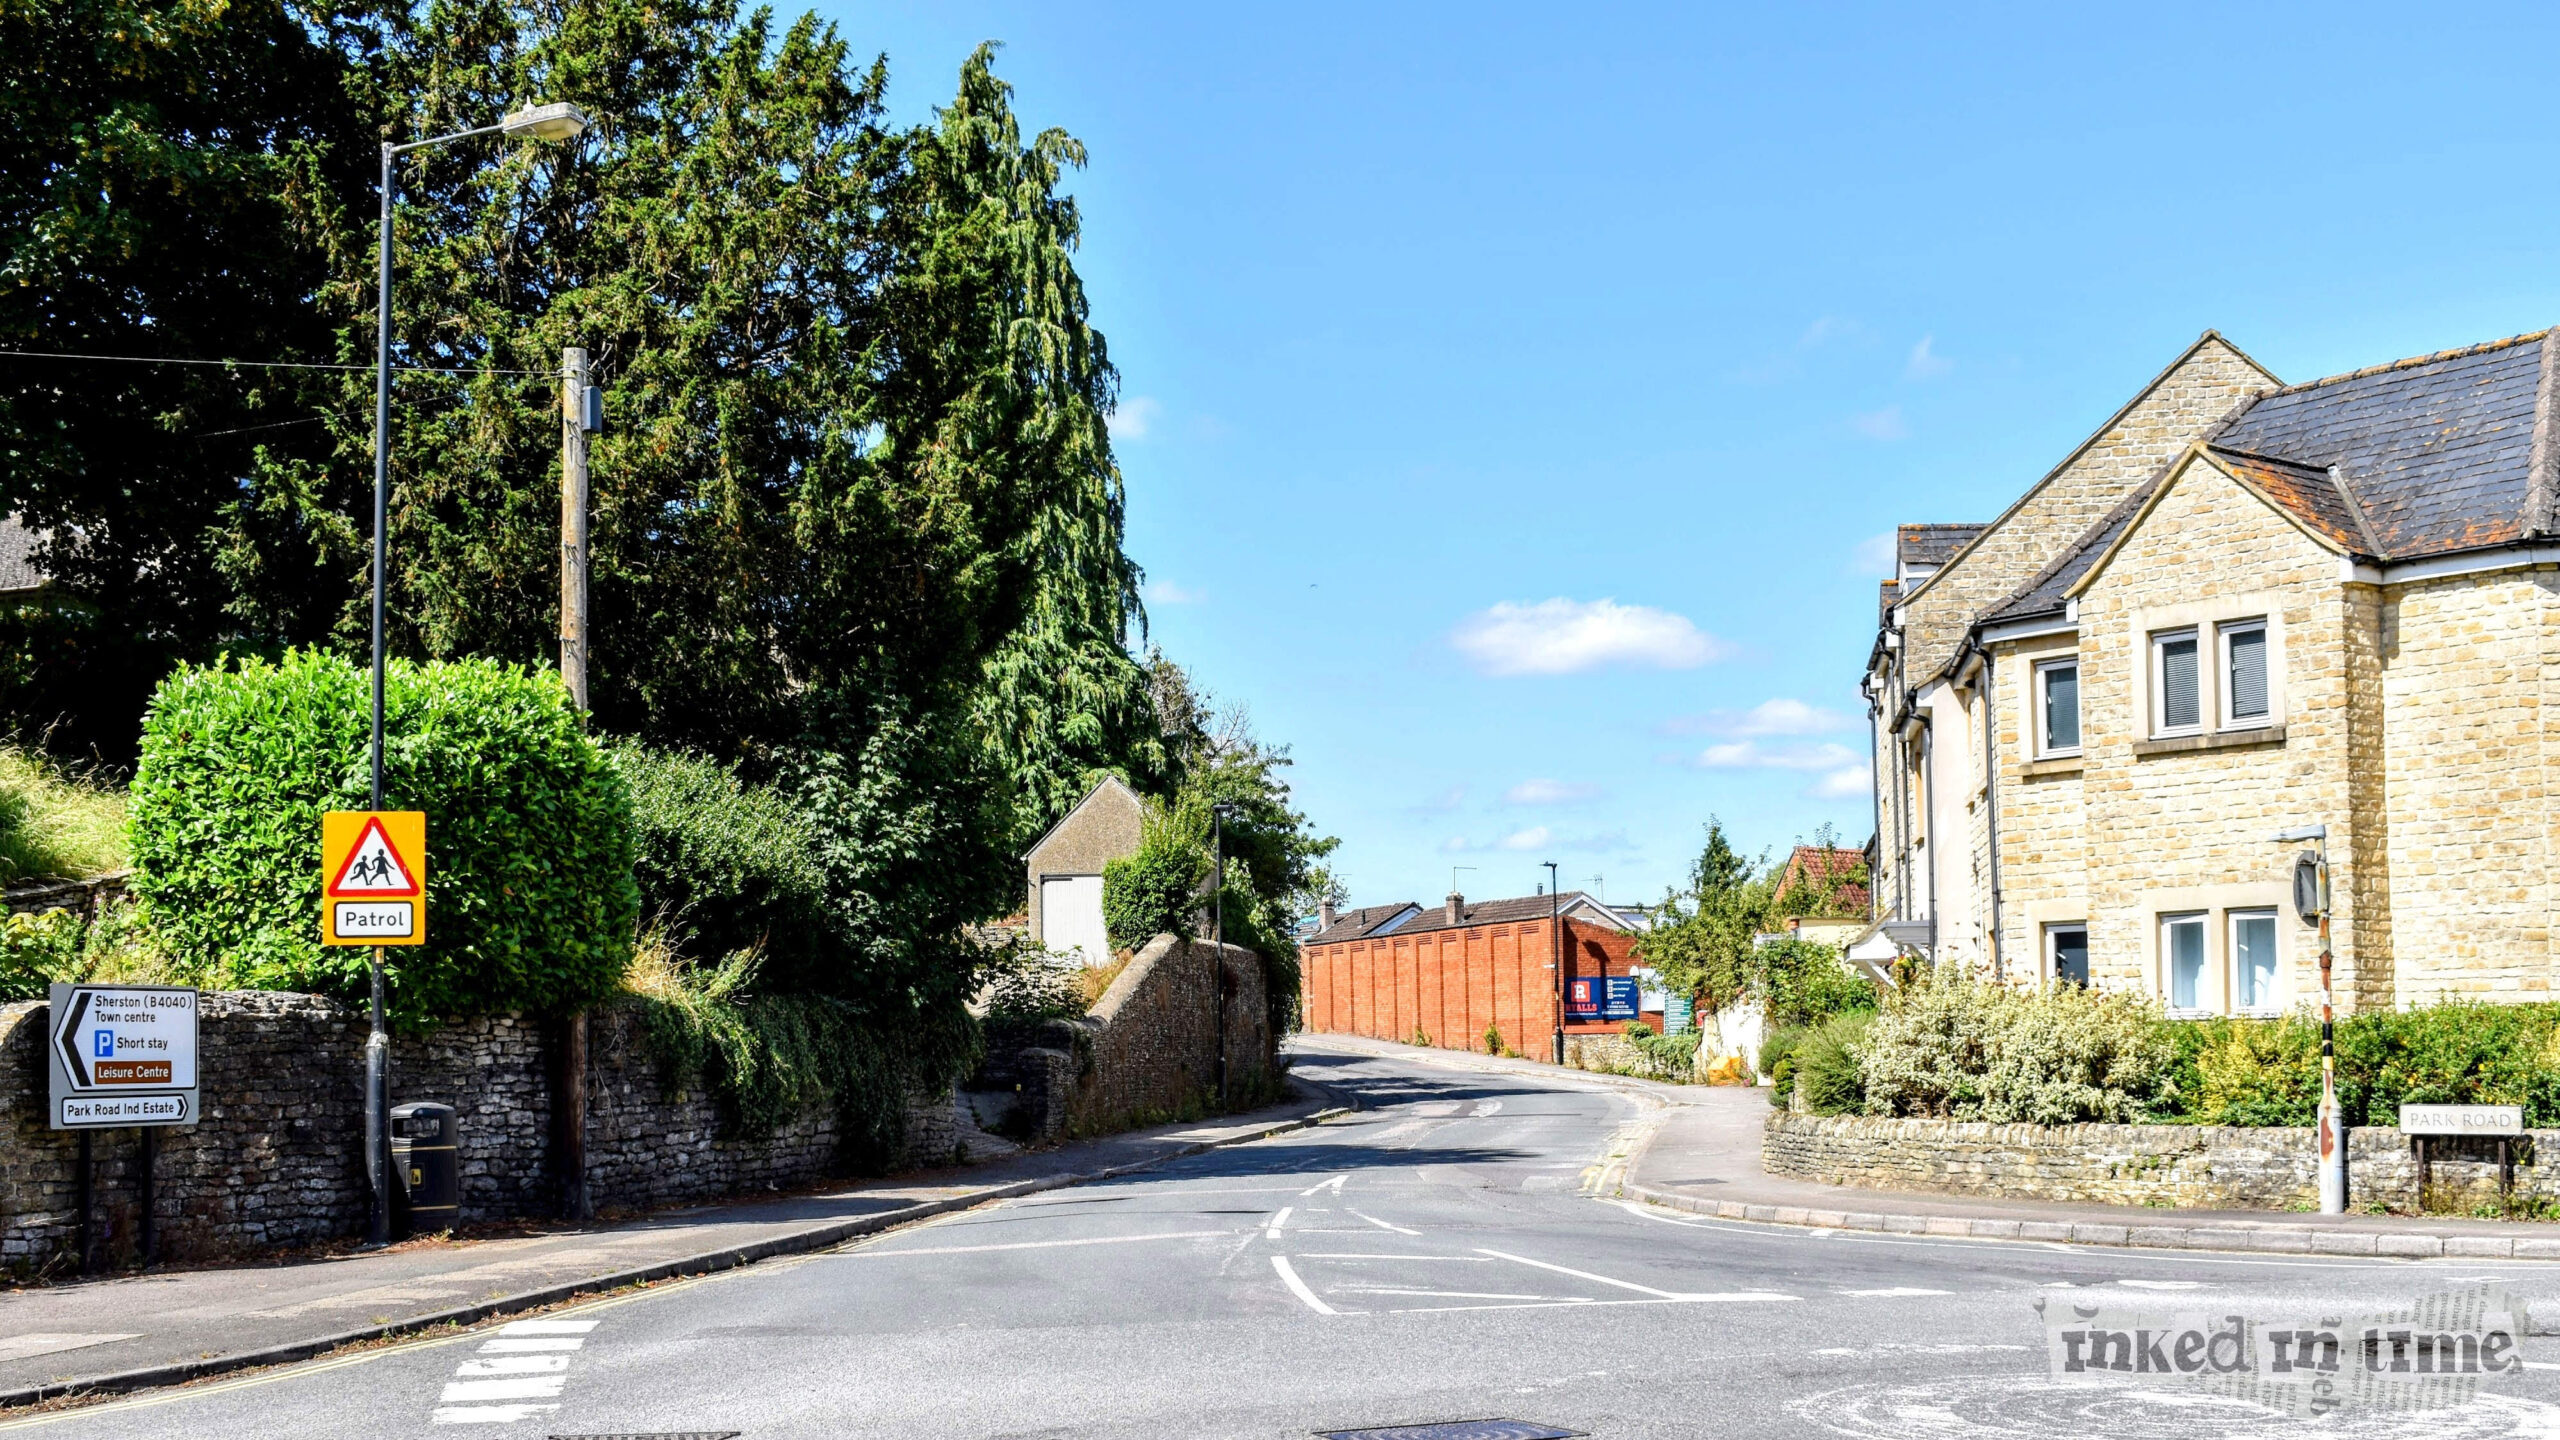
{"points": [[1457, 1431]]}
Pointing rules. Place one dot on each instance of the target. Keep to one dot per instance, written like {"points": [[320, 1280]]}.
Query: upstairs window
{"points": [[2177, 698], [2058, 707], [2244, 673]]}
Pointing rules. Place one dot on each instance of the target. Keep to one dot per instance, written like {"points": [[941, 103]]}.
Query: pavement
{"points": [[1456, 1249], [163, 1327]]}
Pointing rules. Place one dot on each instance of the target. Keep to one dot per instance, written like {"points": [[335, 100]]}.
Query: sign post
{"points": [[118, 1055], [373, 891]]}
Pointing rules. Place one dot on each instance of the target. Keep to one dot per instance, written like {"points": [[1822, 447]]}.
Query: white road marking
{"points": [[496, 1391], [1579, 1274], [1437, 1107], [1898, 1290], [47, 1342], [1772, 1230], [1592, 1304], [1278, 1220], [2161, 1284], [1383, 1225], [526, 1387], [1298, 1287], [1335, 1184], [2539, 1365], [547, 1327], [515, 1365], [1374, 1255], [878, 1254], [501, 1347], [1443, 1294], [489, 1414], [1490, 1107]]}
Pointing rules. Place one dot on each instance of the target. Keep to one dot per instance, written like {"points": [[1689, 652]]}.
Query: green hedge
{"points": [[531, 902], [725, 866], [1154, 891], [2267, 1072]]}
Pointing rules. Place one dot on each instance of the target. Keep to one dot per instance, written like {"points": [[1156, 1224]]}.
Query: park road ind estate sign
{"points": [[122, 1055]]}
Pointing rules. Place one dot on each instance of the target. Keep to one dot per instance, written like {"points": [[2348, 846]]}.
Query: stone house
{"points": [[1063, 871], [2239, 608]]}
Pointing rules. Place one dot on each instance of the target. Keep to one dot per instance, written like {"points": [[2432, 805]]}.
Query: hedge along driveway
{"points": [[530, 898]]}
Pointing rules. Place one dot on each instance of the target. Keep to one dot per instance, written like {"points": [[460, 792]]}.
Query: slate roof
{"points": [[1931, 545], [2438, 449], [2424, 456], [1434, 917]]}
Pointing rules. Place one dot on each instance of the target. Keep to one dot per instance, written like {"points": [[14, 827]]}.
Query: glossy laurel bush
{"points": [[530, 898]]}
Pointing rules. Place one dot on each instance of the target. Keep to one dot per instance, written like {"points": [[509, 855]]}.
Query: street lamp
{"points": [[2311, 900], [541, 122], [1555, 944], [1218, 934]]}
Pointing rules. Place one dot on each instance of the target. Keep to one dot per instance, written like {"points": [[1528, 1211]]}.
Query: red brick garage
{"points": [[1401, 972]]}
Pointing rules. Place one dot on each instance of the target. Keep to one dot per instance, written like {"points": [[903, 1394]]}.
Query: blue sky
{"points": [[1514, 398]]}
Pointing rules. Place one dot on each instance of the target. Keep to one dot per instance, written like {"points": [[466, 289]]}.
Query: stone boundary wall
{"points": [[278, 1157], [1146, 1050], [2181, 1166]]}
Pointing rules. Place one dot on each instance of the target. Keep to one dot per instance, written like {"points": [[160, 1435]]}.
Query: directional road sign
{"points": [[122, 1055], [373, 877]]}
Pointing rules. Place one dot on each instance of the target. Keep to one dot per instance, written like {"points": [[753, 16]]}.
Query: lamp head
{"points": [[2299, 832], [558, 121]]}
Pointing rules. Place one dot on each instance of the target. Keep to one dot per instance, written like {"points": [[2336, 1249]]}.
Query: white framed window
{"points": [[2066, 950], [2253, 960], [2246, 699], [2057, 699], [2182, 961], [2177, 683]]}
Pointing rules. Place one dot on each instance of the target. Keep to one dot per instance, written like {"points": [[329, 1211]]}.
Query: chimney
{"points": [[1324, 914], [1457, 909]]}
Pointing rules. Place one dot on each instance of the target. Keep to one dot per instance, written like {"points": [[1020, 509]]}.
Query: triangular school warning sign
{"points": [[373, 868], [373, 877]]}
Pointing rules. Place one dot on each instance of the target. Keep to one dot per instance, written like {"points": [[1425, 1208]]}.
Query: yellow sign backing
{"points": [[373, 877]]}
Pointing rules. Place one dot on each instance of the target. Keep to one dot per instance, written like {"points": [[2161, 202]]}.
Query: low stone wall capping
{"points": [[277, 1160], [2184, 1166]]}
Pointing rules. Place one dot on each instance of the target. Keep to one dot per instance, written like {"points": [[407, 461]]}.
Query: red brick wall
{"points": [[1451, 984]]}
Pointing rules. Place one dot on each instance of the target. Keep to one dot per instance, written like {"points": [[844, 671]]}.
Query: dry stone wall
{"points": [[2183, 1166], [277, 1160]]}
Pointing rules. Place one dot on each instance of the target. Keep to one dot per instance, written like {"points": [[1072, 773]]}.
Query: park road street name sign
{"points": [[122, 1055], [373, 877]]}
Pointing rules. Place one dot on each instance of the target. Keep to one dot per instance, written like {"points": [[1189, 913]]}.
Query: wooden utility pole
{"points": [[575, 497]]}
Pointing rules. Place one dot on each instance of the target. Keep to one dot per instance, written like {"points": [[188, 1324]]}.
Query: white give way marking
{"points": [[1298, 1286], [525, 1364], [1333, 1184]]}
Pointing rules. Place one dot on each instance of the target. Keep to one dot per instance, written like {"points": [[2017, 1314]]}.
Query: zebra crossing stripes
{"points": [[515, 1375]]}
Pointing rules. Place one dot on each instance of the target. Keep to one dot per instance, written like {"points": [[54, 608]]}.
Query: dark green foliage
{"points": [[723, 865], [1778, 1062], [2267, 1072], [774, 1057], [1666, 1057], [1805, 984], [530, 897], [160, 167], [1155, 891], [1826, 1065]]}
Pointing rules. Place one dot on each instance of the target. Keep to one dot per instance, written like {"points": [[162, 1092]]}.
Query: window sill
{"points": [[2051, 765], [2219, 740]]}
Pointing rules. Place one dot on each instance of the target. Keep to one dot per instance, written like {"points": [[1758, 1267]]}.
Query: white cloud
{"points": [[1456, 845], [1753, 755], [1548, 792], [1847, 783], [1532, 838], [1884, 424], [1133, 417], [1770, 717], [1561, 637], [1165, 592], [1877, 555], [1926, 363]]}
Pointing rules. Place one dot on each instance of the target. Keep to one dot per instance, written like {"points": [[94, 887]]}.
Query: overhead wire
{"points": [[263, 364]]}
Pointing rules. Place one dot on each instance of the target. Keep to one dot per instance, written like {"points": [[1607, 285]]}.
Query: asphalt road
{"points": [[1449, 1253]]}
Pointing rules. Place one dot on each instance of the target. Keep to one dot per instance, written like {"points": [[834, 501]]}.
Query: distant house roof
{"points": [[1930, 546], [1821, 868], [18, 557], [1381, 919]]}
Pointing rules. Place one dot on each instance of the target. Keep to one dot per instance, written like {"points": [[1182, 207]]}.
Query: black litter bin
{"points": [[424, 1140]]}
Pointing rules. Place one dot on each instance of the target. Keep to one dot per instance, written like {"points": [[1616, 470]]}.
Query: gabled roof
{"points": [[2046, 592], [1106, 785], [1360, 924], [1930, 546], [1824, 869], [2313, 497]]}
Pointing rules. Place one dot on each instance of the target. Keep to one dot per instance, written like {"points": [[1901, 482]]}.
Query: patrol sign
{"points": [[373, 877], [122, 1055]]}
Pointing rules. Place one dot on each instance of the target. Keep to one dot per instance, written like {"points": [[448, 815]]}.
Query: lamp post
{"points": [[541, 122], [2310, 899], [1218, 935], [1555, 943]]}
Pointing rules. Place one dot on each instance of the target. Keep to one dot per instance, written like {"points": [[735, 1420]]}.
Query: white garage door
{"points": [[1071, 916]]}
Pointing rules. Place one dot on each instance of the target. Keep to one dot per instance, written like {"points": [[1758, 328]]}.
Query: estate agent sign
{"points": [[122, 1055]]}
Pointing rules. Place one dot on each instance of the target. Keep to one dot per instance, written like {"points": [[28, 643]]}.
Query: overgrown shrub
{"points": [[1154, 891], [1803, 983], [530, 896], [1956, 1048], [724, 865], [56, 824], [1828, 1064], [46, 947], [1665, 1057], [1777, 1061]]}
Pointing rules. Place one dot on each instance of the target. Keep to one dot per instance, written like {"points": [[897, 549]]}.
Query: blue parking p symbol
{"points": [[102, 1044]]}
